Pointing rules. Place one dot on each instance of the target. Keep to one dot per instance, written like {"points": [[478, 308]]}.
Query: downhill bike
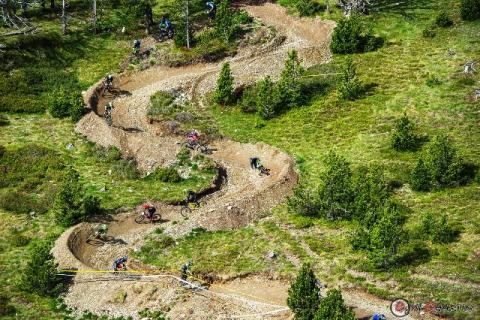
{"points": [[187, 208], [165, 34], [143, 218]]}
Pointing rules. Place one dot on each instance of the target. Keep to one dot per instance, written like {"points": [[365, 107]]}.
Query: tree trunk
{"points": [[148, 19], [64, 18], [52, 4], [94, 20], [188, 29]]}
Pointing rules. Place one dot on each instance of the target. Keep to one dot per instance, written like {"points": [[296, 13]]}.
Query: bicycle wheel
{"points": [[185, 211], [140, 218], [156, 217]]}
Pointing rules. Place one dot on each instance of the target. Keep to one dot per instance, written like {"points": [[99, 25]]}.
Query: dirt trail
{"points": [[240, 201]]}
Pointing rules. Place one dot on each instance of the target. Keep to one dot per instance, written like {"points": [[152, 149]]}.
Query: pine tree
{"points": [[350, 87], [335, 193], [40, 275], [332, 307], [71, 204], [225, 25], [289, 86], [224, 92], [303, 295], [404, 137], [266, 98], [420, 178], [385, 237]]}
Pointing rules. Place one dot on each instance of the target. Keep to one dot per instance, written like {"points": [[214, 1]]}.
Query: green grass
{"points": [[360, 131], [231, 253]]}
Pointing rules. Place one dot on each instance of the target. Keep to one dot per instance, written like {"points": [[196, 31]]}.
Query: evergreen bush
{"points": [[40, 275], [404, 137], [72, 205], [443, 20], [224, 94], [470, 9], [350, 87], [350, 36], [303, 295], [332, 307]]}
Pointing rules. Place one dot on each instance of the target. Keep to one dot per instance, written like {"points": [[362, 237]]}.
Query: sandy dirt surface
{"points": [[243, 196]]}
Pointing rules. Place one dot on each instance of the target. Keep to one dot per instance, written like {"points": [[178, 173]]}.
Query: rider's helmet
{"points": [[146, 205]]}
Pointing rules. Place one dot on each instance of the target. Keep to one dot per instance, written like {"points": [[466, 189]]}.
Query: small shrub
{"points": [[308, 7], [267, 98], [289, 88], [167, 174], [335, 192], [224, 93], [126, 169], [5, 308], [303, 294], [350, 87], [439, 229], [404, 137], [350, 36], [304, 201], [433, 81], [180, 37], [470, 10], [72, 205], [429, 32], [440, 166], [162, 106], [225, 23], [443, 20], [66, 103], [333, 307], [248, 103], [420, 178], [183, 157], [40, 275]]}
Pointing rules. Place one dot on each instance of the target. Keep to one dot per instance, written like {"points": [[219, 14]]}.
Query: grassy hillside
{"points": [[360, 130]]}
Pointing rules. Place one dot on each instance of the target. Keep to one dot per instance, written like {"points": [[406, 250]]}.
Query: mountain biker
{"points": [[149, 210], [136, 46], [191, 197], [185, 270], [101, 230], [255, 163], [211, 9], [108, 80], [165, 24], [120, 263], [193, 137], [108, 109], [377, 316]]}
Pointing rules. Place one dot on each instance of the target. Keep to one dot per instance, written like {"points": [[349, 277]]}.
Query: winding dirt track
{"points": [[243, 196]]}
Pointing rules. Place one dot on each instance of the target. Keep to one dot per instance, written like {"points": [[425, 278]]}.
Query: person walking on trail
{"points": [[136, 46], [255, 163], [185, 270], [120, 264], [149, 210], [211, 9]]}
